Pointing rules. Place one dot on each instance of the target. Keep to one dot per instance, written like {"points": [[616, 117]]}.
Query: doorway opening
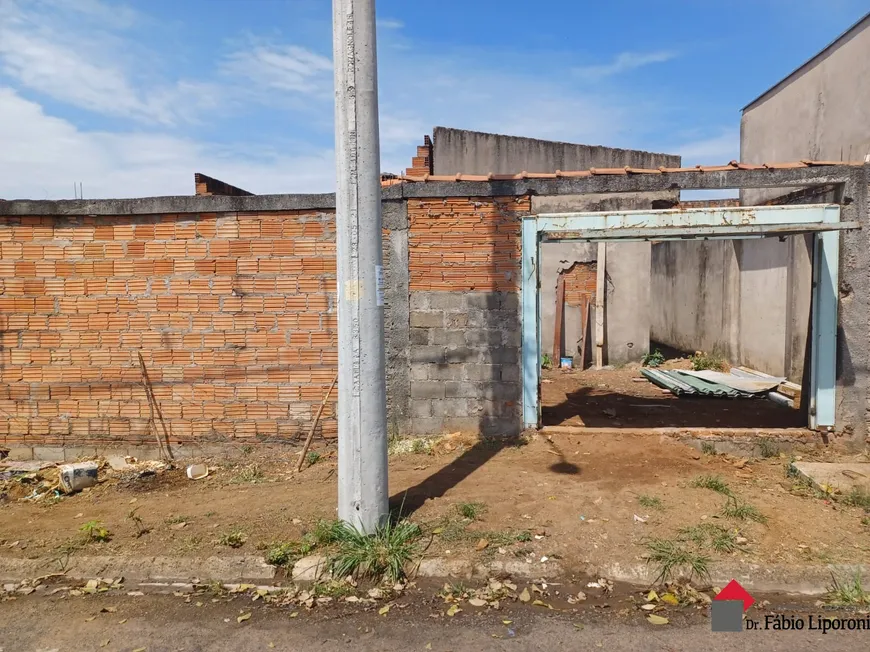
{"points": [[677, 331]]}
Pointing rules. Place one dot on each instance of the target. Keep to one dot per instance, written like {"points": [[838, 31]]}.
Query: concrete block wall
{"points": [[234, 314], [464, 262]]}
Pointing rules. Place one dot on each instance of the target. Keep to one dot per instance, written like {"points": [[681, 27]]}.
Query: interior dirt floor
{"points": [[568, 497], [613, 398]]}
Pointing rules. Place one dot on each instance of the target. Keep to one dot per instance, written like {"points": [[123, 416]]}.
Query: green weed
{"points": [[711, 535], [546, 361], [233, 539], [733, 508], [313, 457], [767, 448], [654, 359], [713, 361], [849, 592], [471, 510], [673, 557], [713, 483], [708, 448], [251, 473], [650, 502], [384, 554]]}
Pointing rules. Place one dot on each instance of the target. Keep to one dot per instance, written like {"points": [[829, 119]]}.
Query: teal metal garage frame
{"points": [[822, 221]]}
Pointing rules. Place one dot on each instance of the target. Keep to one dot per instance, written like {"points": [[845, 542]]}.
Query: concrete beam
{"points": [[605, 183], [163, 205]]}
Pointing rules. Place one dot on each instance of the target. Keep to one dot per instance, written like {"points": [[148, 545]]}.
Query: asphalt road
{"points": [[166, 623]]}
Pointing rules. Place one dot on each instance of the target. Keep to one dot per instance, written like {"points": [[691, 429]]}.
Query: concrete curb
{"points": [[777, 578], [760, 578]]}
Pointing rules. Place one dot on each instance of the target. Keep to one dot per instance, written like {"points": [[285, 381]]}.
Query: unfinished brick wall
{"points": [[234, 315], [580, 283], [464, 260]]}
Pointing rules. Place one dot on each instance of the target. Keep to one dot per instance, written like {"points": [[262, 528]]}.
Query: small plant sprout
{"points": [[546, 361], [233, 539], [141, 528], [767, 448], [94, 531], [313, 457], [713, 483], [650, 502], [471, 511], [708, 448], [654, 359]]}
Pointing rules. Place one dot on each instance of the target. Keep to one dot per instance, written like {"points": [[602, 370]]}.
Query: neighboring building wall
{"points": [[820, 112], [742, 298], [464, 261], [472, 152]]}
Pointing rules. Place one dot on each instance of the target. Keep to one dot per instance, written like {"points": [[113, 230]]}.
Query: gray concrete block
{"points": [[454, 301], [456, 320], [512, 338], [510, 373], [476, 372], [453, 389], [72, 453], [497, 319], [461, 354], [450, 407], [419, 301], [510, 301], [485, 337], [430, 354], [48, 453], [420, 336], [21, 453], [452, 338], [464, 424], [427, 319], [445, 372], [419, 372], [431, 426], [482, 300], [427, 389], [499, 426], [500, 355], [421, 408]]}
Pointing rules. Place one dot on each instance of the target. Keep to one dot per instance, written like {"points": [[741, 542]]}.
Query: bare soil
{"points": [[574, 495], [614, 398]]}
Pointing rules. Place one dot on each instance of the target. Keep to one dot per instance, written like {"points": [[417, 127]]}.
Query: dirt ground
{"points": [[568, 497], [613, 398]]}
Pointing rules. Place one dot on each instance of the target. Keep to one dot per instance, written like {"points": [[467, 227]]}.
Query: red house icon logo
{"points": [[733, 591], [729, 605]]}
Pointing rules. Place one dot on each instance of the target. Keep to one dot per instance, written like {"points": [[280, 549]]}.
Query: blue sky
{"points": [[131, 98]]}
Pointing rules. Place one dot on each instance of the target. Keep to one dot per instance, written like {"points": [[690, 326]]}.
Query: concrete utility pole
{"points": [[362, 393]]}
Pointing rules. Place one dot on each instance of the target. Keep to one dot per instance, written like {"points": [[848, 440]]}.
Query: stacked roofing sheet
{"points": [[688, 383]]}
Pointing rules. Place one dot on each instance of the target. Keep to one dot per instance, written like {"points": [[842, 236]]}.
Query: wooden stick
{"points": [[560, 317], [584, 331], [314, 425], [165, 453], [601, 266]]}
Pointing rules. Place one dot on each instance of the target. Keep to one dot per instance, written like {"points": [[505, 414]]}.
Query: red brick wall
{"points": [[234, 315], [580, 283], [465, 243]]}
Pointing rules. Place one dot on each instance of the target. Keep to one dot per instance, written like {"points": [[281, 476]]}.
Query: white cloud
{"points": [[82, 65], [624, 62], [43, 156], [287, 68], [390, 23]]}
